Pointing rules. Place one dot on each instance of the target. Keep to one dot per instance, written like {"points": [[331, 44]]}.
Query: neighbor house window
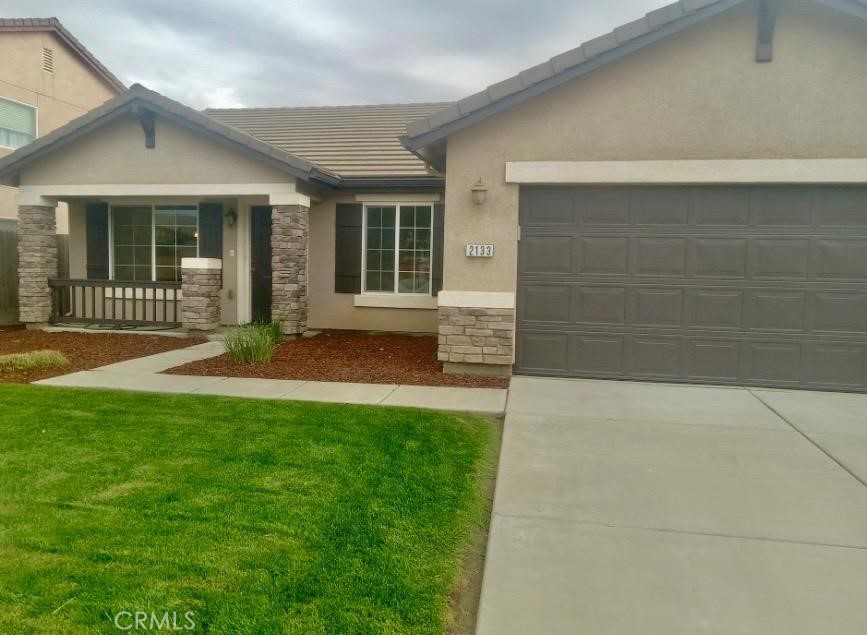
{"points": [[397, 250], [148, 241], [17, 124]]}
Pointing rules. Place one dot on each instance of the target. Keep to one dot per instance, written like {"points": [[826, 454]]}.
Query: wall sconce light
{"points": [[480, 193], [231, 217]]}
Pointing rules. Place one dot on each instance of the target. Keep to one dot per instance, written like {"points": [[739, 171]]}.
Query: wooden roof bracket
{"points": [[148, 124], [767, 23]]}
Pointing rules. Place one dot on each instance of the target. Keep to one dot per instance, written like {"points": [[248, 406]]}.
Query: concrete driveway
{"points": [[635, 508]]}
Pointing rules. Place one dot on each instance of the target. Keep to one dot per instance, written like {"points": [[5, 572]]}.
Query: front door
{"points": [[260, 263]]}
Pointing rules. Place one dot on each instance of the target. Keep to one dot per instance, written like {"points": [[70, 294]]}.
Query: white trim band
{"points": [[687, 171], [201, 263], [477, 299]]}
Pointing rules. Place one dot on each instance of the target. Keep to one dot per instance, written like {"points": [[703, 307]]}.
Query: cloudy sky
{"points": [[231, 53]]}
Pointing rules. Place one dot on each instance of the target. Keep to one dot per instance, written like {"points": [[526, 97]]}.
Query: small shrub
{"points": [[251, 343], [33, 360], [276, 331]]}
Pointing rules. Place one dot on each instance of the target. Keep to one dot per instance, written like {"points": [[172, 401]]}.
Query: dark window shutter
{"points": [[347, 247], [436, 282], [211, 230], [96, 229]]}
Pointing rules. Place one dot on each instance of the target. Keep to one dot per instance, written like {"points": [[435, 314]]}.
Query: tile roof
{"points": [[53, 25], [352, 141]]}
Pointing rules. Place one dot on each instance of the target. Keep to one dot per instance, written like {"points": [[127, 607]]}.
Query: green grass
{"points": [[260, 516], [33, 360], [252, 342]]}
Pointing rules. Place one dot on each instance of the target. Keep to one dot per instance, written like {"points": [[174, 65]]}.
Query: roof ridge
{"points": [[333, 107]]}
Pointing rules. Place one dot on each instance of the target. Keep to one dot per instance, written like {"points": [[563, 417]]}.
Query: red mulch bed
{"points": [[350, 357], [83, 350]]}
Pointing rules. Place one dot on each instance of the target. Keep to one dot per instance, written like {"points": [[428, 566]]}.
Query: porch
{"points": [[197, 259]]}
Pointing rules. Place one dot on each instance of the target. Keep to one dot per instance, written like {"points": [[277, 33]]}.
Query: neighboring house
{"points": [[684, 199], [47, 78]]}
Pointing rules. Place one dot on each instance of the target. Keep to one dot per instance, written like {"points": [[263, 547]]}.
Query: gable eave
{"points": [[140, 97], [590, 56]]}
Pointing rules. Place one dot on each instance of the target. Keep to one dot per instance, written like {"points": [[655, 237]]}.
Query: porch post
{"points": [[201, 279], [37, 261], [289, 267]]}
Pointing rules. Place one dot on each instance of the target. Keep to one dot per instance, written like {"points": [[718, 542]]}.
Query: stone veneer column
{"points": [[37, 261], [289, 267], [201, 280], [476, 339]]}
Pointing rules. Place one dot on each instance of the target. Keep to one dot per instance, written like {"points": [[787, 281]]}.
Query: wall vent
{"points": [[47, 60]]}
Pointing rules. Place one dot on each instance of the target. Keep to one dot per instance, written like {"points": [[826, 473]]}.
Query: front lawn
{"points": [[257, 516]]}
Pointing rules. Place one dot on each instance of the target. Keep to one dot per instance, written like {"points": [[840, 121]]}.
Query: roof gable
{"points": [[53, 25], [425, 136], [139, 100]]}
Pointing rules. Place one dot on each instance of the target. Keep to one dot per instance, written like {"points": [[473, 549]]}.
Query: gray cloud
{"points": [[314, 52]]}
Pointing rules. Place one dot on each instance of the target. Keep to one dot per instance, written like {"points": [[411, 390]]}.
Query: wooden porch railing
{"points": [[114, 302]]}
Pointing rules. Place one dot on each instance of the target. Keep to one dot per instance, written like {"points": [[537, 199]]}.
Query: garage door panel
{"points": [[779, 258], [608, 255], [547, 254], [548, 206], [714, 309], [775, 310], [718, 257], [604, 206], [783, 206], [656, 306], [660, 207], [545, 303], [838, 312], [835, 365], [600, 305], [720, 207], [773, 363], [543, 351], [841, 259], [713, 360], [844, 206], [597, 355], [753, 285], [654, 357], [659, 256]]}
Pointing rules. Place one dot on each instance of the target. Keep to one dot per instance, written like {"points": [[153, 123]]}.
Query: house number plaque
{"points": [[480, 251]]}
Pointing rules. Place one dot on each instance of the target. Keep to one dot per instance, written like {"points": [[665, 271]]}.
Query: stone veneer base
{"points": [[476, 335]]}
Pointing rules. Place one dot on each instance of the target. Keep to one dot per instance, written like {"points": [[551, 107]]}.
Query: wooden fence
{"points": [[9, 268]]}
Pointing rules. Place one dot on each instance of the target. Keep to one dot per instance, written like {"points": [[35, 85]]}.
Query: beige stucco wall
{"points": [[70, 91], [330, 310], [116, 154], [696, 95]]}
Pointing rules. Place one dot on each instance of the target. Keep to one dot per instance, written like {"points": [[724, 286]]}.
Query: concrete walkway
{"points": [[143, 374], [625, 508]]}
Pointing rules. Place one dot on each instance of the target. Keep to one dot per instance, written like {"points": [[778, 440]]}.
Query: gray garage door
{"points": [[739, 285]]}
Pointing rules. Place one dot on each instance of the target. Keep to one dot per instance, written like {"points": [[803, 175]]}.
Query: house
{"points": [[47, 78], [684, 199]]}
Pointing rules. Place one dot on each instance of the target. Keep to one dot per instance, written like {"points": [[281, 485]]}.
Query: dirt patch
{"points": [[83, 350], [349, 357]]}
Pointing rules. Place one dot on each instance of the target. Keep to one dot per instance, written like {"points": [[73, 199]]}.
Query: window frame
{"points": [[153, 244], [397, 206], [35, 110]]}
